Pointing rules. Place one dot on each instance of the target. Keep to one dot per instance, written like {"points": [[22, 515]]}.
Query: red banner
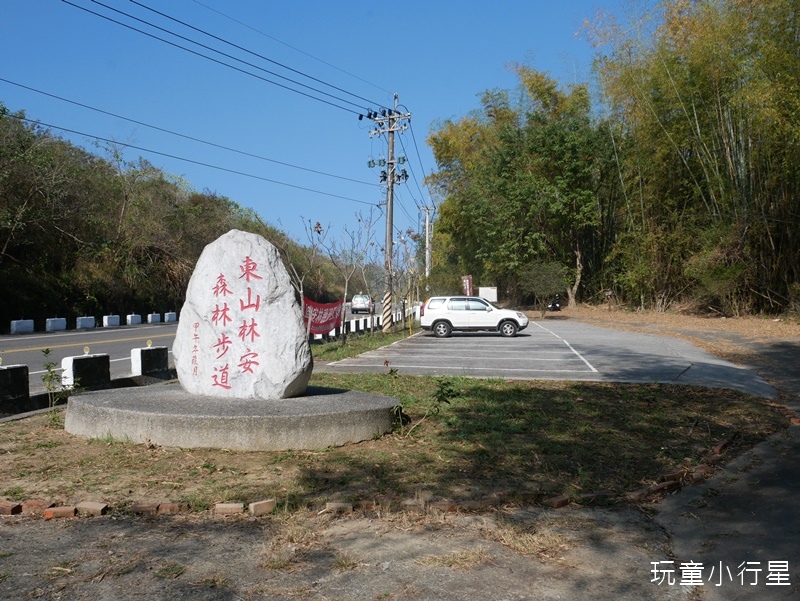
{"points": [[324, 316]]}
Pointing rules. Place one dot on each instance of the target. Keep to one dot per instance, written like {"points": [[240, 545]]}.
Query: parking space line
{"points": [[471, 369], [568, 344], [454, 357]]}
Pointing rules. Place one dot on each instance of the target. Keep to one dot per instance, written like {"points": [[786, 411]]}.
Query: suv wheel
{"points": [[508, 329], [442, 329]]}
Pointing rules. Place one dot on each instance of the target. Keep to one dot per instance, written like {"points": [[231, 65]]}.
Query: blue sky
{"points": [[437, 56]]}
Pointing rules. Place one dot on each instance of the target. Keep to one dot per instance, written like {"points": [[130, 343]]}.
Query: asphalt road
{"points": [[550, 350], [558, 350], [27, 349]]}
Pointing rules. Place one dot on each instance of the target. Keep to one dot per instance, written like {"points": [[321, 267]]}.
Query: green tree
{"points": [[522, 183], [543, 281]]}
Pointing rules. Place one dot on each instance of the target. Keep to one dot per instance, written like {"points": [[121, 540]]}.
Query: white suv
{"points": [[443, 314]]}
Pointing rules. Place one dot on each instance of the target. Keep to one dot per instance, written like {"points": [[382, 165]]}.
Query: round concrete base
{"points": [[166, 415]]}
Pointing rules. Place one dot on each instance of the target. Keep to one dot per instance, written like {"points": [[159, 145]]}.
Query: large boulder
{"points": [[241, 333]]}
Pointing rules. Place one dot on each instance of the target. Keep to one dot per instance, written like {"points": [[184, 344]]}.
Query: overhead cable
{"points": [[192, 161], [261, 56], [230, 56], [266, 35], [187, 137], [219, 62]]}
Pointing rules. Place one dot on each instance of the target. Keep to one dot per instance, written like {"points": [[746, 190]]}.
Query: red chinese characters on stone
{"points": [[251, 304], [223, 316], [248, 269], [221, 377], [247, 361], [248, 330], [221, 287], [222, 345], [195, 347]]}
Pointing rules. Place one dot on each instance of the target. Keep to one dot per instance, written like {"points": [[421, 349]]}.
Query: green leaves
{"points": [[524, 186]]}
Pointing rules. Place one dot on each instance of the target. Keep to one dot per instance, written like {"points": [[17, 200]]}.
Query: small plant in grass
{"points": [[344, 562], [197, 502], [48, 444], [56, 393], [170, 570], [110, 440], [445, 390], [15, 493]]}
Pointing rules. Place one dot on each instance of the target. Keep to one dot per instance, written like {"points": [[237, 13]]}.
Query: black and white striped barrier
{"points": [[362, 324]]}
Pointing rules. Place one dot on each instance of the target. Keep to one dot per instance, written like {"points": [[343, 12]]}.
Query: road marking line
{"points": [[565, 357], [82, 344], [468, 369], [462, 368], [569, 345]]}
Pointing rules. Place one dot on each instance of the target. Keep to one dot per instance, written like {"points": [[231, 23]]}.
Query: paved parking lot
{"points": [[558, 350]]}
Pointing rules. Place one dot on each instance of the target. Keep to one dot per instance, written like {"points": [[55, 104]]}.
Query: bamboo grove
{"points": [[675, 182]]}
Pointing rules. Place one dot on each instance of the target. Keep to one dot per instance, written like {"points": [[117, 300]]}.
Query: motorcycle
{"points": [[555, 304]]}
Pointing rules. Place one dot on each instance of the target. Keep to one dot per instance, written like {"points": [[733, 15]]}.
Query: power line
{"points": [[398, 196], [219, 62], [179, 36], [194, 162], [261, 56], [419, 155], [413, 174], [243, 24], [187, 137]]}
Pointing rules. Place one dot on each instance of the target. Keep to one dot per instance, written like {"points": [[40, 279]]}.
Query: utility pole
{"points": [[427, 246], [388, 121]]}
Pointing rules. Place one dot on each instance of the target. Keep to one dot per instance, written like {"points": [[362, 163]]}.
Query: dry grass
{"points": [[459, 560], [494, 436], [542, 539]]}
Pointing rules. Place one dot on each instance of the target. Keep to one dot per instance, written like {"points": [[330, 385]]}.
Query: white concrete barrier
{"points": [[170, 317], [85, 323], [22, 326], [110, 321], [86, 371], [154, 318], [55, 324], [134, 320], [150, 361]]}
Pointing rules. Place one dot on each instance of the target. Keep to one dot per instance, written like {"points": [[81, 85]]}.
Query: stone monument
{"points": [[243, 363], [241, 333]]}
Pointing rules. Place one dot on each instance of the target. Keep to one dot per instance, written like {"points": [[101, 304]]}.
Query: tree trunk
{"points": [[572, 292]]}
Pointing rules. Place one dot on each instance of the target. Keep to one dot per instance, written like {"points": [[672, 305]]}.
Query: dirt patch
{"points": [[514, 554]]}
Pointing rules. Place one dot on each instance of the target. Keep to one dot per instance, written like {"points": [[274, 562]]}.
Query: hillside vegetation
{"points": [[82, 234]]}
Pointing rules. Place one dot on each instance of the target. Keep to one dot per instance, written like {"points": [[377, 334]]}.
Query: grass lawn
{"points": [[466, 439]]}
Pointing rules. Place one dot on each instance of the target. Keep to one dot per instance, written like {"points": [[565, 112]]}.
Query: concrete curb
{"points": [[166, 415]]}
